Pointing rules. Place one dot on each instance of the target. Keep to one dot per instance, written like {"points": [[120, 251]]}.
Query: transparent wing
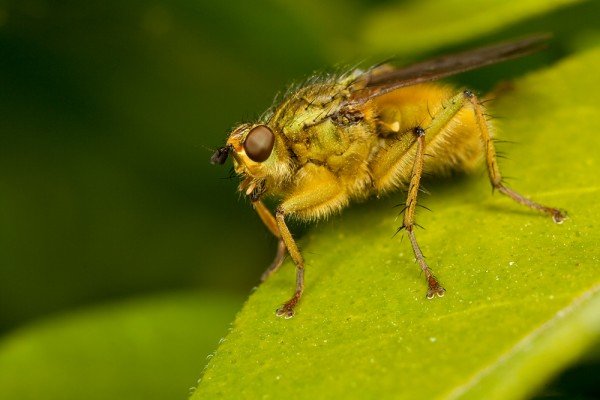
{"points": [[385, 78]]}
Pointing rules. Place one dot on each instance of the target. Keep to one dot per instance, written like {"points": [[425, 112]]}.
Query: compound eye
{"points": [[259, 143]]}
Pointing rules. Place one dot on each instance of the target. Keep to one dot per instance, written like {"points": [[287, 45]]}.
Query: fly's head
{"points": [[260, 158]]}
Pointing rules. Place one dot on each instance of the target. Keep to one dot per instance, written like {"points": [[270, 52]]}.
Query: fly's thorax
{"points": [[316, 130], [261, 157], [307, 107], [318, 142]]}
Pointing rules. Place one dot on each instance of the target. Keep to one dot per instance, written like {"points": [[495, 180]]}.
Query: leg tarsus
{"points": [[287, 310], [434, 288], [558, 216]]}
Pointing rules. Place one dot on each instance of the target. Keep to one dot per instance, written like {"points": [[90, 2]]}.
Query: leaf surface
{"points": [[138, 349], [522, 292]]}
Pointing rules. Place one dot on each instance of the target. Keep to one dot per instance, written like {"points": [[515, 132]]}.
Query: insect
{"points": [[364, 133]]}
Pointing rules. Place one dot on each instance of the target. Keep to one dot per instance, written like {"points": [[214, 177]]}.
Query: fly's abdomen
{"points": [[456, 146]]}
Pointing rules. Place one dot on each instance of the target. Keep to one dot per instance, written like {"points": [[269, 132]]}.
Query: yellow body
{"points": [[366, 133], [317, 169], [456, 147]]}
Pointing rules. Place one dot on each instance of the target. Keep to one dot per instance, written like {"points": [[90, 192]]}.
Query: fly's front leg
{"points": [[317, 193], [492, 165], [434, 287], [270, 222], [287, 310]]}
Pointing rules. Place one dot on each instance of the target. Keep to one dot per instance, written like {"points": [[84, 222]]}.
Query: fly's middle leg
{"points": [[408, 223], [423, 136]]}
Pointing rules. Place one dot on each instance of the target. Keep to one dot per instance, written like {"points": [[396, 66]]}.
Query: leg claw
{"points": [[559, 216], [286, 311], [435, 290]]}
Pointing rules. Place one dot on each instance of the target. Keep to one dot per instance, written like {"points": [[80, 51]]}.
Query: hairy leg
{"points": [[494, 174], [434, 287]]}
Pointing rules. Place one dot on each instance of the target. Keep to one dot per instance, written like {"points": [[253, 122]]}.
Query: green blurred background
{"points": [[108, 114]]}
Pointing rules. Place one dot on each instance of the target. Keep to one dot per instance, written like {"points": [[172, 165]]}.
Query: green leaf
{"points": [[522, 292], [413, 26], [139, 349]]}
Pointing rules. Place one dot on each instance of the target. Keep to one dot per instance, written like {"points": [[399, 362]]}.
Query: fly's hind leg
{"points": [[434, 287], [270, 222], [557, 215]]}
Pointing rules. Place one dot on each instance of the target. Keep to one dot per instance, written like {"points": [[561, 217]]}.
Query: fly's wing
{"points": [[384, 79]]}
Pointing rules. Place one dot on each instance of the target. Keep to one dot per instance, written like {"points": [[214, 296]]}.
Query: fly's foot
{"points": [[434, 288], [558, 216], [286, 311]]}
